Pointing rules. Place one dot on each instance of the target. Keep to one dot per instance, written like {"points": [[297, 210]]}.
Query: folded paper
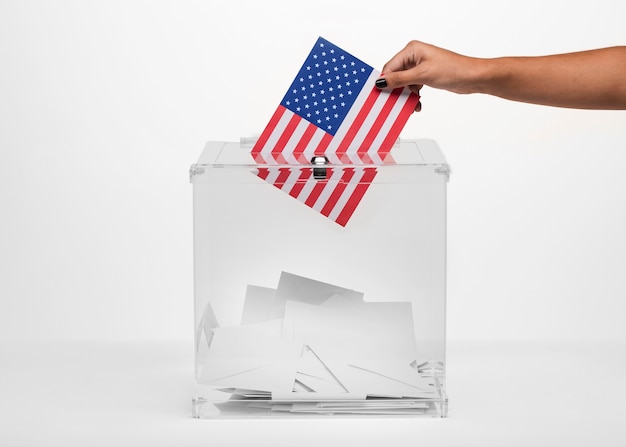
{"points": [[311, 346]]}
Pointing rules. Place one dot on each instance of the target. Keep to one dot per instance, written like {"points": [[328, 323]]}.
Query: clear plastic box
{"points": [[297, 316]]}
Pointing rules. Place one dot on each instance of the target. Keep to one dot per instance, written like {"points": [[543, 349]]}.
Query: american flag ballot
{"points": [[333, 109]]}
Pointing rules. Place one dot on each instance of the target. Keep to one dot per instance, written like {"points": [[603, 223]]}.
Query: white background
{"points": [[104, 105]]}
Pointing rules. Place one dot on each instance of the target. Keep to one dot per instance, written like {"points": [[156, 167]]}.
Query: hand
{"points": [[592, 79], [420, 64]]}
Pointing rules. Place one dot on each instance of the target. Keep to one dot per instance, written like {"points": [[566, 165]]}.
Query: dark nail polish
{"points": [[381, 83]]}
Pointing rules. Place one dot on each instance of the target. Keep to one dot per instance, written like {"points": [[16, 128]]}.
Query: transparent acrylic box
{"points": [[381, 276]]}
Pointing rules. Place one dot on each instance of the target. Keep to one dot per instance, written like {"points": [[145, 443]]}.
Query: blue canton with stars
{"points": [[326, 86]]}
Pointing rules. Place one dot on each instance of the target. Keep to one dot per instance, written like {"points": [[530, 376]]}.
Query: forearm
{"points": [[594, 79]]}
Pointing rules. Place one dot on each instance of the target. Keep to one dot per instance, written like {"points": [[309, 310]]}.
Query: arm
{"points": [[594, 79]]}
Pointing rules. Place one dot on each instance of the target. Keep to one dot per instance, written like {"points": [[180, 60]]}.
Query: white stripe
{"points": [[309, 151], [305, 192], [329, 188], [369, 122], [272, 176], [293, 141], [294, 175], [389, 122], [347, 194]]}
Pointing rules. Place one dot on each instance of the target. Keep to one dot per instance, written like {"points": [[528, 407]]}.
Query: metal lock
{"points": [[319, 173]]}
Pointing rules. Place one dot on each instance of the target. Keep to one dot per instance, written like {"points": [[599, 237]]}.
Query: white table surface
{"points": [[501, 394]]}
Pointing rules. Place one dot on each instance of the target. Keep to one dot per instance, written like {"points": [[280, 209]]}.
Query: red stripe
{"points": [[356, 196], [282, 177], [305, 175], [286, 135], [263, 173], [304, 142], [394, 132], [380, 120], [317, 190], [348, 173], [258, 147], [323, 144], [358, 121]]}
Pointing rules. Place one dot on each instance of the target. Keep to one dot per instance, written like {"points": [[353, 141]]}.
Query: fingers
{"points": [[397, 79]]}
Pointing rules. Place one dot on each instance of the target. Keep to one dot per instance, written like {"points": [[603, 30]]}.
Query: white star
{"points": [[308, 67], [319, 121], [356, 81], [347, 83], [332, 51], [323, 53], [329, 127], [315, 56], [288, 103], [349, 92], [336, 116], [335, 107], [342, 57], [305, 97], [343, 104]]}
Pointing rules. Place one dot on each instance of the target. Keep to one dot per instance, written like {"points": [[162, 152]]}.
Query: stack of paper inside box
{"points": [[312, 347]]}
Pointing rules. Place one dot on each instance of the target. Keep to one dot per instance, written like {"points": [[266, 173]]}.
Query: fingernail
{"points": [[381, 83]]}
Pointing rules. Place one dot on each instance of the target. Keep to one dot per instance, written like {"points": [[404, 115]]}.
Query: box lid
{"points": [[405, 152]]}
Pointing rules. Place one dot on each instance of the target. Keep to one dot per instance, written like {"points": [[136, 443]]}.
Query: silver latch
{"points": [[319, 173]]}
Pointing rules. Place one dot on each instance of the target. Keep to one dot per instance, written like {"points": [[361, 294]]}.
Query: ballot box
{"points": [[320, 287]]}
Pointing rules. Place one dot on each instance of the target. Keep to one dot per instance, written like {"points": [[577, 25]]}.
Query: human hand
{"points": [[420, 64]]}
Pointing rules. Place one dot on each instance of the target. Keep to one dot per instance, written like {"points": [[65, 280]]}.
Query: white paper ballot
{"points": [[251, 358], [309, 346], [298, 288], [258, 305]]}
